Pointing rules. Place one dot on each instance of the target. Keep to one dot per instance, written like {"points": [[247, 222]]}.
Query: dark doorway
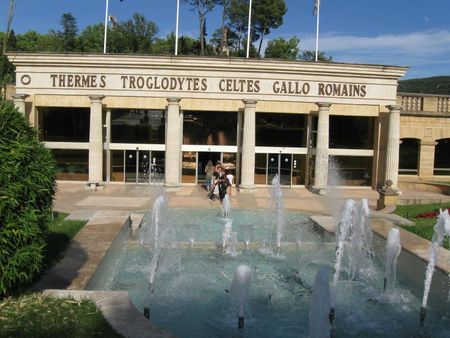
{"points": [[203, 158]]}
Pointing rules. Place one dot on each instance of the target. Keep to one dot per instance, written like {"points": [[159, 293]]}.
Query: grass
{"points": [[423, 227], [35, 315], [58, 237]]}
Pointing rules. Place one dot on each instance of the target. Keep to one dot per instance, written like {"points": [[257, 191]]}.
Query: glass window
{"points": [[351, 170], [280, 130], [210, 128], [137, 126], [61, 124], [260, 168], [117, 167], [157, 166], [351, 132], [298, 169], [442, 157], [188, 167], [409, 156], [229, 163], [71, 165]]}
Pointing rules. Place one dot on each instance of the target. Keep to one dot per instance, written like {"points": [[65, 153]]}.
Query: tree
{"points": [[69, 32], [225, 6], [280, 48], [91, 39], [267, 15], [237, 15], [164, 45], [27, 173], [310, 55], [28, 42], [202, 7]]}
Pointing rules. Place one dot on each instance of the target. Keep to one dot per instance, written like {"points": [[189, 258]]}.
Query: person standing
{"points": [[209, 170]]}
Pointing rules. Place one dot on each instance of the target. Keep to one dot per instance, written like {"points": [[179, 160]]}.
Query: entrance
{"points": [[137, 166], [280, 164], [203, 158]]}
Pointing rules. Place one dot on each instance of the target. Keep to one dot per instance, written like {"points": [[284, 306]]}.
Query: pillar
{"points": [[108, 142], [173, 144], [19, 102], [426, 159], [393, 145], [248, 146], [321, 162], [96, 142]]}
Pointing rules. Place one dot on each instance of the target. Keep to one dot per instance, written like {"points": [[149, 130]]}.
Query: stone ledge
{"points": [[118, 310]]}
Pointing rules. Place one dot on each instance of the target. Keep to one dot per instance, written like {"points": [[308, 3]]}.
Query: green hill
{"points": [[431, 85]]}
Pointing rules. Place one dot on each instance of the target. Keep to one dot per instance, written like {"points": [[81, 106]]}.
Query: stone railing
{"points": [[427, 103]]}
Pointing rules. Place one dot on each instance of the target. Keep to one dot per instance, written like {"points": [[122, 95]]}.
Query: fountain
{"points": [[239, 291], [226, 235], [278, 206], [288, 294], [441, 229], [354, 242], [319, 322], [226, 206], [393, 249]]}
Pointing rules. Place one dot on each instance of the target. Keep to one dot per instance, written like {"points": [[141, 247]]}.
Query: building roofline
{"points": [[218, 63]]}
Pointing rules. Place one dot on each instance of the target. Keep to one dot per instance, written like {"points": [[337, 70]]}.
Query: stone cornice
{"points": [[206, 63]]}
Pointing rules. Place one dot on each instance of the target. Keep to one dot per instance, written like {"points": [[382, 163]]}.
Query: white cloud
{"points": [[419, 50]]}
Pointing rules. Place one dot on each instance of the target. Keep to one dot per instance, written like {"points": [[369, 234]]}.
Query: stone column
{"points": [[173, 144], [393, 145], [426, 159], [321, 162], [96, 142], [248, 146], [19, 102], [107, 144]]}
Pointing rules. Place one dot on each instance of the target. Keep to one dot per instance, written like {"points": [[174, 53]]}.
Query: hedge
{"points": [[27, 188]]}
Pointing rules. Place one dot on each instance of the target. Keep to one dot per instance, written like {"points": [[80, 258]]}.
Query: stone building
{"points": [[140, 119]]}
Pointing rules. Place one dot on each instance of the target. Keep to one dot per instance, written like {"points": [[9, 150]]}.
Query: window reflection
{"points": [[351, 132], [137, 126], [409, 156], [351, 170], [210, 128], [60, 124], [260, 168], [71, 165], [280, 130]]}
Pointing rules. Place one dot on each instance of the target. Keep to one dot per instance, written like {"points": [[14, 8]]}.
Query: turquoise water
{"points": [[190, 297]]}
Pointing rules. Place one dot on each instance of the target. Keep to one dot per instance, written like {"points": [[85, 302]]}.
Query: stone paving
{"points": [[108, 209]]}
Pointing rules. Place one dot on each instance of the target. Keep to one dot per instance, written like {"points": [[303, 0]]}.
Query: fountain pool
{"points": [[192, 288]]}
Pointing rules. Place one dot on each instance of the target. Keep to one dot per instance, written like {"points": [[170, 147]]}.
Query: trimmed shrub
{"points": [[27, 188]]}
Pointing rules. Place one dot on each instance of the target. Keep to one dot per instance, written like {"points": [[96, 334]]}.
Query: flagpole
{"points": [[248, 31], [106, 27], [317, 30], [176, 28]]}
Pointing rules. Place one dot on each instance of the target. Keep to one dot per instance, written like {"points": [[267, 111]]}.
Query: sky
{"points": [[413, 33]]}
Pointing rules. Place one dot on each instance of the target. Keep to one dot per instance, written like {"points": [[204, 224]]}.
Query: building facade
{"points": [[140, 119]]}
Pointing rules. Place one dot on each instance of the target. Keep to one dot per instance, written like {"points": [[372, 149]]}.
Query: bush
{"points": [[27, 188]]}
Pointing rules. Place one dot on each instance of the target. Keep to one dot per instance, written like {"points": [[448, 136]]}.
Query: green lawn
{"points": [[58, 238], [34, 315], [423, 227]]}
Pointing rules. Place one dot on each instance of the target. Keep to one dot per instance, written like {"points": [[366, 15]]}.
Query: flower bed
{"points": [[430, 214]]}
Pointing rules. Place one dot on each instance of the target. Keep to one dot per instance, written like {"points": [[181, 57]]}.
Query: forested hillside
{"points": [[431, 85]]}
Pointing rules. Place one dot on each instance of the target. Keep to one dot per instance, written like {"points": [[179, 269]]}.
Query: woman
{"points": [[209, 174]]}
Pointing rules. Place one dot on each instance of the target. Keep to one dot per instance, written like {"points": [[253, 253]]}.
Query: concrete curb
{"points": [[118, 310]]}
